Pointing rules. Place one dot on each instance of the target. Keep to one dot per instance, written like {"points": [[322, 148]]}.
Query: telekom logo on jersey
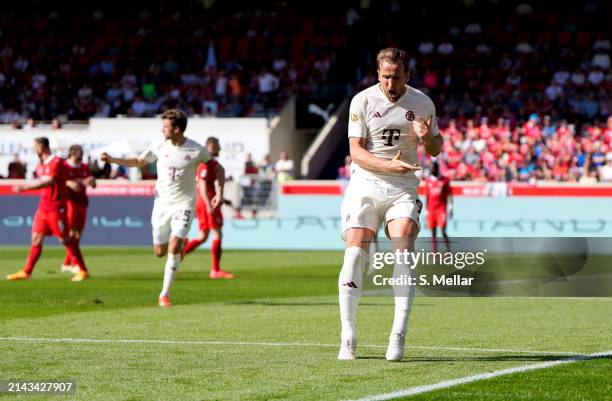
{"points": [[391, 134], [175, 173]]}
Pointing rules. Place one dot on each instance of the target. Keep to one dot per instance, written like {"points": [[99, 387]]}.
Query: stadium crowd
{"points": [[204, 61], [540, 149], [522, 92]]}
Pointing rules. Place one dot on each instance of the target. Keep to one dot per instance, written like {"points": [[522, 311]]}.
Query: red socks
{"points": [[191, 245], [33, 255], [69, 259], [73, 253], [215, 251], [72, 247]]}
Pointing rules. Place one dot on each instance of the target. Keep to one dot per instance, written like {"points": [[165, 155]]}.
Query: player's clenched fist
{"points": [[397, 166], [422, 127]]}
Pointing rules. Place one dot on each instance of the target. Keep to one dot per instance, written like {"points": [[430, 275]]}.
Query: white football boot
{"points": [[66, 269], [397, 343], [347, 350]]}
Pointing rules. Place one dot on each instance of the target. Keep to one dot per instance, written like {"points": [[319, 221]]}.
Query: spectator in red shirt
{"points": [[607, 132]]}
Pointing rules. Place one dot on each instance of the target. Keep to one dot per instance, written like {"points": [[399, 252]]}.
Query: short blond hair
{"points": [[393, 55]]}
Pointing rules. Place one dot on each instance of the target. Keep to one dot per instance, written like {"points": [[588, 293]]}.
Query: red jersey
{"points": [[438, 190], [532, 130], [607, 135], [77, 173], [54, 196], [208, 172]]}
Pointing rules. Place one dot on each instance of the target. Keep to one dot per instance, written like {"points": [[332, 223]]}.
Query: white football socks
{"points": [[404, 295], [349, 289], [172, 264]]}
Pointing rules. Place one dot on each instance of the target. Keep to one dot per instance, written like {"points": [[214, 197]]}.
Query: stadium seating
{"points": [[478, 64]]}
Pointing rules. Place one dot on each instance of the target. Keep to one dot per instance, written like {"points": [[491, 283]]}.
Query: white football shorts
{"points": [[171, 221], [368, 202]]}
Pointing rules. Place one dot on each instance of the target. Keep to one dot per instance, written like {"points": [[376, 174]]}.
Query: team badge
{"points": [[410, 115], [354, 118]]}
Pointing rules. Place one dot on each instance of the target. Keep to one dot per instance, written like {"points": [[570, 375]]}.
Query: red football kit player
{"points": [[439, 204], [208, 209], [50, 218], [79, 176], [208, 219]]}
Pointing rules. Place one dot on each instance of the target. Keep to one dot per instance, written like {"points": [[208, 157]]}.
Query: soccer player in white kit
{"points": [[386, 124], [175, 191]]}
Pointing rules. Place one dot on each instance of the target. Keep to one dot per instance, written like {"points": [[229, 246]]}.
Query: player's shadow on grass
{"points": [[267, 303], [492, 358]]}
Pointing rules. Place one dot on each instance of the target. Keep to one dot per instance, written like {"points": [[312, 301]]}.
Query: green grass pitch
{"points": [[272, 334]]}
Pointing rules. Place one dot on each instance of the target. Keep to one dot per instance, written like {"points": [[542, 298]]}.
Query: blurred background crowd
{"points": [[522, 92]]}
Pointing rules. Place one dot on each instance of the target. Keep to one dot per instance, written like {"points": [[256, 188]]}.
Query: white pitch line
{"points": [[496, 350], [267, 344], [483, 376]]}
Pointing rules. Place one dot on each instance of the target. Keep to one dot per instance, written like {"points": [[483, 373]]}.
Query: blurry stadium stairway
{"points": [[329, 148]]}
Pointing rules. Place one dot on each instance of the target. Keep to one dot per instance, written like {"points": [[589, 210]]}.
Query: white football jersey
{"points": [[387, 127], [176, 170]]}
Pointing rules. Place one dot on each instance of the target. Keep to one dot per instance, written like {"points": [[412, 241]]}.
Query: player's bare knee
{"points": [[403, 228], [37, 239], [175, 245], [361, 237], [216, 234], [203, 235], [160, 251]]}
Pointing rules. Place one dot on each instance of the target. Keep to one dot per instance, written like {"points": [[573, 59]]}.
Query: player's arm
{"points": [[203, 191], [80, 185], [44, 181], [358, 132], [128, 162], [38, 184], [427, 132], [75, 185], [368, 161], [218, 199], [91, 181], [450, 203]]}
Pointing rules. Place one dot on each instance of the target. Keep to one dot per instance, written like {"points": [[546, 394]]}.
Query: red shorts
{"points": [[77, 216], [51, 222], [206, 220], [436, 218]]}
